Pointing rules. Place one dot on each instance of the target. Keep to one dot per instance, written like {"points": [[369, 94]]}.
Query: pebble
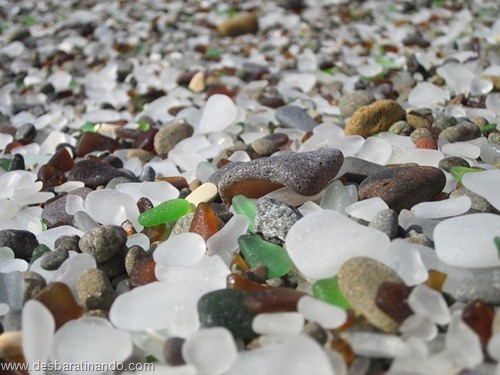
{"points": [[170, 135], [114, 266], [172, 351], [33, 284], [53, 260], [90, 142], [134, 254], [307, 238], [68, 242], [464, 131], [22, 242], [183, 224], [420, 133], [386, 221], [352, 101], [274, 219], [401, 128], [374, 118], [366, 209], [358, 169], [95, 290], [418, 120], [93, 173], [246, 23], [453, 239], [265, 146], [485, 184], [54, 212], [224, 308], [182, 250], [306, 173], [359, 281], [444, 122], [219, 112], [292, 116], [403, 187], [103, 242], [206, 193], [452, 161], [429, 303], [442, 209]]}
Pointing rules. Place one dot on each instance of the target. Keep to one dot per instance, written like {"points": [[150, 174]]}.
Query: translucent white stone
{"points": [[493, 102], [367, 208], [163, 168], [490, 152], [139, 239], [171, 303], [424, 157], [185, 160], [454, 238], [493, 347], [182, 250], [429, 303], [371, 344], [60, 80], [485, 184], [239, 156], [211, 350], [413, 362], [225, 241], [403, 258], [321, 242], [458, 78], [102, 115], [46, 274], [418, 326], [441, 209], [11, 290], [55, 138], [461, 149], [349, 145], [427, 95], [296, 356], [218, 114], [87, 341], [14, 265], [376, 150], [110, 206], [157, 192], [194, 143], [38, 331], [6, 254], [480, 86], [278, 324], [463, 344], [303, 81], [74, 203], [71, 269], [326, 315], [370, 70], [8, 209], [68, 186], [335, 197], [287, 195], [49, 237], [309, 207]]}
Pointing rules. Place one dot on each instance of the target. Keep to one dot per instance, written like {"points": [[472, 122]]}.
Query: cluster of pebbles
{"points": [[250, 187]]}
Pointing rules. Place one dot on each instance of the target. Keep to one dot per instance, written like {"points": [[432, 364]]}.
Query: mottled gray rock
{"points": [[291, 116], [217, 175], [401, 128], [359, 169], [33, 283], [95, 290], [386, 221], [182, 225], [306, 173], [350, 102], [464, 131], [274, 219], [134, 254], [68, 243], [478, 203], [103, 242], [452, 161], [52, 260], [171, 134], [22, 242], [421, 133], [444, 122]]}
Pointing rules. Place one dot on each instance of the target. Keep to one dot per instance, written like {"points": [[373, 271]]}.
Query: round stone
{"points": [[103, 242], [452, 161], [385, 221], [52, 260], [22, 242], [352, 101], [374, 118], [95, 290], [33, 284], [171, 134], [359, 280]]}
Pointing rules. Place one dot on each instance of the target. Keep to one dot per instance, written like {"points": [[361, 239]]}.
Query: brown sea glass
{"points": [[235, 281], [392, 299], [435, 280], [273, 300], [142, 273], [204, 221], [479, 317], [95, 142], [58, 298]]}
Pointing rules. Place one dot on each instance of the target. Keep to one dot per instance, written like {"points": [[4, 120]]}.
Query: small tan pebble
{"points": [[11, 344], [205, 193], [239, 25], [197, 83], [143, 155]]}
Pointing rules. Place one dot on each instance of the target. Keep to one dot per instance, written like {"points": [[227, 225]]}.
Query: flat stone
{"points": [[94, 173], [359, 281], [352, 101], [374, 118], [452, 161], [403, 187], [292, 116], [171, 134], [103, 242], [22, 242], [274, 219], [464, 131], [52, 260], [54, 212], [306, 173], [358, 169], [95, 290], [239, 25]]}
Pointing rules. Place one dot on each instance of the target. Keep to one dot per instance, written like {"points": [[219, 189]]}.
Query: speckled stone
{"points": [[114, 266], [103, 242], [352, 101], [134, 254], [403, 187], [478, 203], [182, 225], [274, 219], [452, 161], [291, 116], [444, 122], [306, 173], [494, 138], [479, 121], [68, 243], [359, 169], [171, 134], [495, 79], [374, 118], [94, 173], [22, 242], [421, 133], [359, 280], [33, 283], [143, 155], [114, 182], [217, 175], [265, 146], [417, 120], [464, 131], [52, 260], [26, 131], [401, 128], [95, 290], [386, 221]]}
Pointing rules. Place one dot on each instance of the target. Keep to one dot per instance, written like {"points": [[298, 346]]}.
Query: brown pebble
{"points": [[374, 118], [239, 25], [95, 290], [273, 300]]}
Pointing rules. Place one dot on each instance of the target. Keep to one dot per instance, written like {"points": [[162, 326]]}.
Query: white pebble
{"points": [[6, 253], [88, 340], [11, 290], [376, 150], [278, 324], [493, 347], [336, 197], [454, 238], [367, 208], [182, 250], [325, 314], [306, 243], [463, 344], [424, 157], [74, 203], [403, 258], [429, 303], [371, 344], [71, 269], [225, 242], [440, 209], [14, 265], [218, 114], [211, 350], [186, 160], [418, 326], [38, 331], [486, 184], [204, 193], [461, 149]]}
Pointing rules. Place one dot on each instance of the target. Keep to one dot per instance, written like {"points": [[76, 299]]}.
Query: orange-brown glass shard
{"points": [[249, 188], [143, 272], [273, 300], [235, 281], [479, 317], [435, 280], [204, 221]]}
